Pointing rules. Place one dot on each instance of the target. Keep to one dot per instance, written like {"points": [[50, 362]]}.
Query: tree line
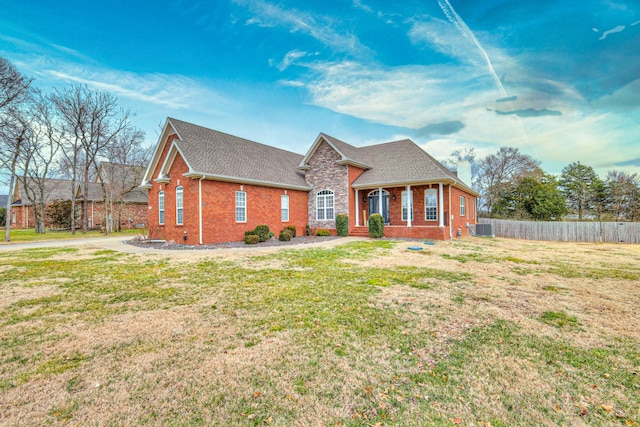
{"points": [[512, 185], [64, 134]]}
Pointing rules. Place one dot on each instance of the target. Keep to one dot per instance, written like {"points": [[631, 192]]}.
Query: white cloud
{"points": [[319, 28], [167, 91], [443, 37], [290, 58]]}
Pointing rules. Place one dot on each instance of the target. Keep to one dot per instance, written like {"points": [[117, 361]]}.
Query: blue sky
{"points": [[560, 80]]}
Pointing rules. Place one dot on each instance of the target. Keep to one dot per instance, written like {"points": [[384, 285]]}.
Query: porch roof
{"points": [[403, 163]]}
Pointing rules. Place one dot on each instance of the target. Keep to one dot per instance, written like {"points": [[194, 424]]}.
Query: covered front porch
{"points": [[410, 211]]}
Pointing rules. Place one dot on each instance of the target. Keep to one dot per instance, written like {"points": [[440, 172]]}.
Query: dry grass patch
{"points": [[473, 331]]}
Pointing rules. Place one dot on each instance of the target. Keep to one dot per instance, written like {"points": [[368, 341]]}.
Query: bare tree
{"points": [[12, 139], [40, 150], [14, 90], [622, 189], [14, 87], [93, 121], [123, 173], [499, 173]]}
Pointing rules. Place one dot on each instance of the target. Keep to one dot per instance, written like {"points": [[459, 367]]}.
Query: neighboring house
{"points": [[128, 201], [22, 215], [207, 187]]}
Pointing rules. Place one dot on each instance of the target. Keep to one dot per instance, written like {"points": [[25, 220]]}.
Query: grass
{"points": [[361, 334], [29, 235]]}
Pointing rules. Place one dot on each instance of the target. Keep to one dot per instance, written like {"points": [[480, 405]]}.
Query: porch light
{"points": [[364, 199], [393, 197]]}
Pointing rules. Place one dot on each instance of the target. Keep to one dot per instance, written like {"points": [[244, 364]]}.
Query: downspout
{"points": [[200, 208]]}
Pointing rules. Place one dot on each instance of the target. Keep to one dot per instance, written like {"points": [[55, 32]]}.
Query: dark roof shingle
{"points": [[222, 155]]}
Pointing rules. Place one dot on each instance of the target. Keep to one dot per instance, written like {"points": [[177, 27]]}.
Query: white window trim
{"points": [[180, 205], [161, 211], [243, 206], [284, 207], [462, 206], [324, 195], [435, 206]]}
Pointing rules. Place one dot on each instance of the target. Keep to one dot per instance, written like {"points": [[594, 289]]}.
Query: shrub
{"points": [[262, 231], [323, 232], [58, 213], [376, 226], [291, 229], [251, 239], [248, 233], [285, 235], [3, 216], [342, 225]]}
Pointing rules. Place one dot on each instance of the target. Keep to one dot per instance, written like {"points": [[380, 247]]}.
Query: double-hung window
{"points": [[161, 208], [179, 206], [407, 205], [431, 205], [284, 207], [325, 208], [241, 206], [462, 210]]}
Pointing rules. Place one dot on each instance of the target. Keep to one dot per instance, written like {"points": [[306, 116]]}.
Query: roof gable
{"points": [[349, 154], [220, 156]]}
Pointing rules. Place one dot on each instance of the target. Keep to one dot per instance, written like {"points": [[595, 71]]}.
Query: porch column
{"points": [[357, 208], [441, 205], [380, 201], [409, 206]]}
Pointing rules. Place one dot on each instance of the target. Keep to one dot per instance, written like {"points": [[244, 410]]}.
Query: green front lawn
{"points": [[20, 236], [364, 334]]}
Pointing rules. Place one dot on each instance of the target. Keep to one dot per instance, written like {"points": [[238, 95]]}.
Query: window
{"points": [[431, 205], [179, 206], [284, 206], [407, 205], [325, 210], [462, 206], [161, 208], [241, 206]]}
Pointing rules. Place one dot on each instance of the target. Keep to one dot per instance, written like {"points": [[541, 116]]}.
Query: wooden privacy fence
{"points": [[610, 232]]}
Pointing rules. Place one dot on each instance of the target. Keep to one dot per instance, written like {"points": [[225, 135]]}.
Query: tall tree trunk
{"points": [[12, 183]]}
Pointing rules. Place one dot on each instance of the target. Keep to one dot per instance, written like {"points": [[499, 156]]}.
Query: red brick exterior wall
{"points": [[421, 228], [263, 206], [95, 213]]}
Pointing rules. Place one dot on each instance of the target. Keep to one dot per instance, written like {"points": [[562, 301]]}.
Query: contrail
{"points": [[455, 19]]}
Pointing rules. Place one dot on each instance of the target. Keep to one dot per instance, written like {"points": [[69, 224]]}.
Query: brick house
{"points": [[122, 185], [208, 187]]}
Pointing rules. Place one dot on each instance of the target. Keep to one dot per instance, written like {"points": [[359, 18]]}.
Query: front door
{"points": [[374, 204]]}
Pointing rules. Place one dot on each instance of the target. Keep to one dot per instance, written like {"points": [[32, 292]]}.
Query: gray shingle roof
{"points": [[222, 155], [397, 162], [349, 152], [54, 189], [401, 162], [95, 193]]}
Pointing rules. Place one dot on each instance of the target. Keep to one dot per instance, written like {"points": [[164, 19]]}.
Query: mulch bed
{"points": [[271, 242]]}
